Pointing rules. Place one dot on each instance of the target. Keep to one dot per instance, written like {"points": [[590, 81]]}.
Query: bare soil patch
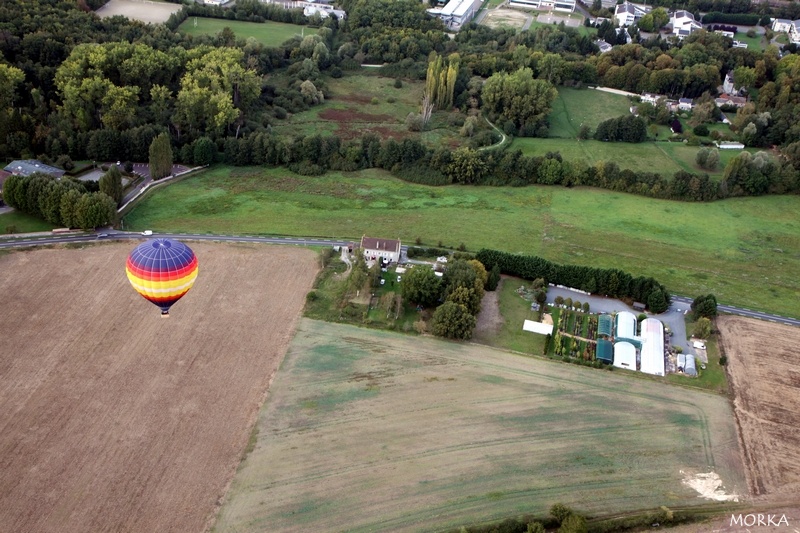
{"points": [[152, 12], [114, 419], [489, 320], [764, 372], [505, 18]]}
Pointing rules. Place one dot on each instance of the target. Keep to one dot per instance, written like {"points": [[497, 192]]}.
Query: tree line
{"points": [[605, 281], [62, 202]]}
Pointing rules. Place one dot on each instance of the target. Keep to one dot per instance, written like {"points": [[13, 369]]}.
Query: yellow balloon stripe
{"points": [[162, 288]]}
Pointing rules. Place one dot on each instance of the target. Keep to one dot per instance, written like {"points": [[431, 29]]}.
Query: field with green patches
{"points": [[268, 33], [513, 310], [756, 43], [361, 103], [366, 430], [744, 250], [574, 107]]}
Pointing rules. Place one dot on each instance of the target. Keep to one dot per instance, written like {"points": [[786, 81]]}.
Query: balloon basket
{"points": [[164, 314]]}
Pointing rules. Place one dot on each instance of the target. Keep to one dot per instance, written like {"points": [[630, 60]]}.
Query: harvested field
{"points": [[764, 372], [114, 419], [144, 10], [506, 18], [369, 430]]}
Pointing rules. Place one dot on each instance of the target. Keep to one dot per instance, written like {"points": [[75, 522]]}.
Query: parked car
{"points": [[399, 278], [383, 281], [101, 235], [147, 232]]}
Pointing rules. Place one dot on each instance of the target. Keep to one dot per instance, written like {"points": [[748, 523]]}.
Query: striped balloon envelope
{"points": [[162, 271]]}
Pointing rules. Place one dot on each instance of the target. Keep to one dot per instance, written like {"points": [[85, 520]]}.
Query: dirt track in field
{"points": [[764, 371], [113, 419]]}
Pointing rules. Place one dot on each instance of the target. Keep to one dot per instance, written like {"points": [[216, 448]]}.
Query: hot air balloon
{"points": [[162, 270]]}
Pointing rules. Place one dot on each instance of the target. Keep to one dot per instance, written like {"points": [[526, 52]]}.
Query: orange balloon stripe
{"points": [[161, 275]]}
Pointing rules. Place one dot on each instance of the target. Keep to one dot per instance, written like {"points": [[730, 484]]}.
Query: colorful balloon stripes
{"points": [[162, 271]]}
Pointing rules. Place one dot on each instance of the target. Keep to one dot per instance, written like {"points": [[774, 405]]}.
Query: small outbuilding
{"points": [[537, 327], [690, 369], [26, 167]]}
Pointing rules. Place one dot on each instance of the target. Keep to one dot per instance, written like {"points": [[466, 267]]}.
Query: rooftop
{"points": [[373, 243]]}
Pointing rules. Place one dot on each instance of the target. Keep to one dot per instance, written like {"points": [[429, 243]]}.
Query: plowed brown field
{"points": [[764, 370], [113, 419]]}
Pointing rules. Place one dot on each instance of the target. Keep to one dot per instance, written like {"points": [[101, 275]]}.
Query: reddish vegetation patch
{"points": [[351, 115], [348, 131]]}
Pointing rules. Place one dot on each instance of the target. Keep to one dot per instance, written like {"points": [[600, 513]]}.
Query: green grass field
{"points": [[756, 43], [574, 107], [268, 33], [368, 430], [666, 158], [16, 222], [514, 310], [744, 250]]}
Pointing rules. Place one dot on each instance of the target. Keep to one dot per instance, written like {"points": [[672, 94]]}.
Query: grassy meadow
{"points": [[268, 33], [744, 250], [363, 102], [17, 222], [574, 107], [368, 430]]}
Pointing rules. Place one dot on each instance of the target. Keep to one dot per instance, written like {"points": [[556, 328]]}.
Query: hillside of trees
{"points": [[73, 85]]}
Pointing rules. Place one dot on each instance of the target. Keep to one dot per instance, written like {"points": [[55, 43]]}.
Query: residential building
{"points": [[794, 31], [375, 248], [26, 167], [729, 100], [781, 25], [627, 13], [739, 44], [603, 46], [651, 98], [683, 23], [685, 104]]}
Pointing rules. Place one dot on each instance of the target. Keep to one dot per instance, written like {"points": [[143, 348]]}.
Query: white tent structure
{"points": [[625, 355], [652, 356], [626, 325], [537, 327]]}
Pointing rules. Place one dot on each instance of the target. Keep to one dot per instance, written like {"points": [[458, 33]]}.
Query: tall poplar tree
{"points": [[160, 157]]}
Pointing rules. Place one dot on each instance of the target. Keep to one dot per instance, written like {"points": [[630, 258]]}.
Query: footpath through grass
{"points": [[368, 430], [744, 250]]}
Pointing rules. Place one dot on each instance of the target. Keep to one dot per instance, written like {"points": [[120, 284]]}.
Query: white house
{"points": [[651, 98], [794, 31], [627, 13], [374, 249], [781, 25], [727, 99], [728, 84], [739, 44], [683, 23], [685, 104], [567, 6], [725, 33], [628, 38]]}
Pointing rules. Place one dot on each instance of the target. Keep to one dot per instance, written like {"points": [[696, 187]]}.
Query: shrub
{"points": [[375, 101], [723, 360], [398, 83], [701, 130], [391, 99]]}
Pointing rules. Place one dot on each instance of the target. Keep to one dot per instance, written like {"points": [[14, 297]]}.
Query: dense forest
{"points": [[74, 86]]}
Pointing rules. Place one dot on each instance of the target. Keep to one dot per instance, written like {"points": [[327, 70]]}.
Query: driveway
{"points": [[673, 317]]}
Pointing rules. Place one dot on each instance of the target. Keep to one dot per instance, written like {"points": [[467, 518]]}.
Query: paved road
{"points": [[678, 302]]}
